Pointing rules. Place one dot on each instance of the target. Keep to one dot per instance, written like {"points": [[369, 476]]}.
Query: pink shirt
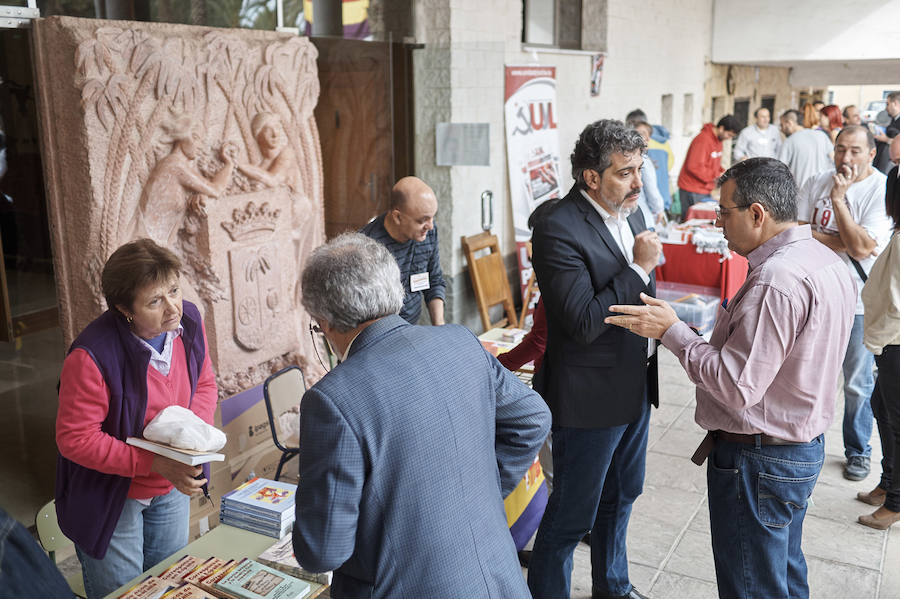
{"points": [[772, 363], [84, 402]]}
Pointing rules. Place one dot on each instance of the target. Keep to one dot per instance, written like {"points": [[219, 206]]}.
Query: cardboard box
{"points": [[199, 526], [219, 484], [261, 461], [245, 422]]}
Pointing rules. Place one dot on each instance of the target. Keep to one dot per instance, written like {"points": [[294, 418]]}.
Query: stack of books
{"points": [[249, 579], [281, 557], [260, 505], [194, 578]]}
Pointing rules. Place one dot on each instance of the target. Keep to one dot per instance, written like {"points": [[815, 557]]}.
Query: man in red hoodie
{"points": [[703, 163]]}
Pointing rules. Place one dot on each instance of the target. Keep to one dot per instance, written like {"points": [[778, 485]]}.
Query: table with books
{"points": [[498, 340], [224, 542], [249, 555]]}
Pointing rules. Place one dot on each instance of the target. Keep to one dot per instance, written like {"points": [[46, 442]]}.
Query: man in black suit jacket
{"points": [[592, 251], [892, 192], [883, 158]]}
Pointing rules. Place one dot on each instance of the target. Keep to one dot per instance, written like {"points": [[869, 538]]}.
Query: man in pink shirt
{"points": [[765, 380]]}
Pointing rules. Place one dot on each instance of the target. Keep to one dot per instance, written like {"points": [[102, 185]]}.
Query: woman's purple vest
{"points": [[88, 502]]}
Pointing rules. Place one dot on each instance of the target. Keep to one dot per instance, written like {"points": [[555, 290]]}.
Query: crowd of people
{"points": [[820, 298], [413, 440]]}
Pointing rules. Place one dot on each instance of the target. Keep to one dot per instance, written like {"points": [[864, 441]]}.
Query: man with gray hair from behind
{"points": [[410, 443]]}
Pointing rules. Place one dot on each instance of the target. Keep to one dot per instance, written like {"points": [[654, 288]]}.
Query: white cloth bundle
{"points": [[181, 428]]}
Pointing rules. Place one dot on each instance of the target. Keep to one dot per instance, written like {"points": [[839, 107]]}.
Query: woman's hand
{"points": [[180, 475]]}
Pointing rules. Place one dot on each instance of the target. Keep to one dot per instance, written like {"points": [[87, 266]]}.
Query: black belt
{"points": [[706, 446]]}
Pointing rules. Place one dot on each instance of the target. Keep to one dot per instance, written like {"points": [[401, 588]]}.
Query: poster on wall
{"points": [[596, 73], [532, 147]]}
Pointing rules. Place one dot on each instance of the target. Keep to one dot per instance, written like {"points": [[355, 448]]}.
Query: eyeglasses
{"points": [[723, 212], [318, 337]]}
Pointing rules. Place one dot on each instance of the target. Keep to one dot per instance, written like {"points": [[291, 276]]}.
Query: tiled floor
{"points": [[669, 534], [668, 541], [29, 371]]}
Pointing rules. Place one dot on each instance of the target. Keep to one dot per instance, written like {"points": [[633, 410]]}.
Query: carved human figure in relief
{"points": [[175, 181], [279, 162]]}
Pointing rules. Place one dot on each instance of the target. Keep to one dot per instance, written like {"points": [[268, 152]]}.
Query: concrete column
{"points": [[327, 18], [119, 9]]}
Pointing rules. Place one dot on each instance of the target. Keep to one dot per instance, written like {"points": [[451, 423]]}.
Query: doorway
{"points": [[27, 285], [364, 116], [768, 102], [742, 110]]}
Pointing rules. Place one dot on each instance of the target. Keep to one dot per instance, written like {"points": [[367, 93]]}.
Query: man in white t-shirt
{"points": [[846, 210], [806, 152], [761, 139]]}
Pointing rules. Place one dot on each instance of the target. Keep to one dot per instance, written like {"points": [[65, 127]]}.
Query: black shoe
{"points": [[632, 594], [856, 468], [525, 558]]}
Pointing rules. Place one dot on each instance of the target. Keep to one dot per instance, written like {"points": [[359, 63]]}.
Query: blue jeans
{"points": [[144, 536], [598, 473], [25, 570], [859, 382], [757, 501], [688, 199]]}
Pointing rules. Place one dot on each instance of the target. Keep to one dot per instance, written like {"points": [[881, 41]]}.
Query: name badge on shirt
{"points": [[419, 281]]}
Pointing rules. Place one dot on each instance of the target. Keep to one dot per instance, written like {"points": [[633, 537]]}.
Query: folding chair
{"points": [[52, 540], [489, 279], [282, 392]]}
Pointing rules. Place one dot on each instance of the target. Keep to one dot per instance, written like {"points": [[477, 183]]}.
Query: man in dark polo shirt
{"points": [[407, 231]]}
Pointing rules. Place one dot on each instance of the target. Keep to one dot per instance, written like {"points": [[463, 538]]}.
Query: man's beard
{"points": [[624, 211]]}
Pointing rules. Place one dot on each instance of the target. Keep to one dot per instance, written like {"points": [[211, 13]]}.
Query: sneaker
{"points": [[856, 468]]}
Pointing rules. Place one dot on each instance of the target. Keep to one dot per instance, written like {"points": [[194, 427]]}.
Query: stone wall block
{"points": [[204, 140]]}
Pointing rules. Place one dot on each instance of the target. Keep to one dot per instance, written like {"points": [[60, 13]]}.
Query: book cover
{"points": [[204, 569], [266, 497], [208, 583], [281, 557], [269, 531], [177, 571], [187, 591], [252, 580], [185, 456], [151, 587]]}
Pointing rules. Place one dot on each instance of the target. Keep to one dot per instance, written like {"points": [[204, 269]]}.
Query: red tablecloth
{"points": [[703, 210], [685, 265]]}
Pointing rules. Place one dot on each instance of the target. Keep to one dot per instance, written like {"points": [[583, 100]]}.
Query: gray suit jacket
{"points": [[407, 450]]}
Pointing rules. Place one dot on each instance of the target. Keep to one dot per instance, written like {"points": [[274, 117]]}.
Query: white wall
{"points": [[768, 31], [662, 48], [644, 61]]}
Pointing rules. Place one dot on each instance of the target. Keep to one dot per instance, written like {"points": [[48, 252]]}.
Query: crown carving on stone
{"points": [[252, 221]]}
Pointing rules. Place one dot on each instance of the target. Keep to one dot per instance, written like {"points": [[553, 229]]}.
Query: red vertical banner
{"points": [[532, 149]]}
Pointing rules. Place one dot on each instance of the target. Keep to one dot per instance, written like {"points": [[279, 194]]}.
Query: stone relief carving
{"points": [[173, 185], [278, 165], [203, 140]]}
